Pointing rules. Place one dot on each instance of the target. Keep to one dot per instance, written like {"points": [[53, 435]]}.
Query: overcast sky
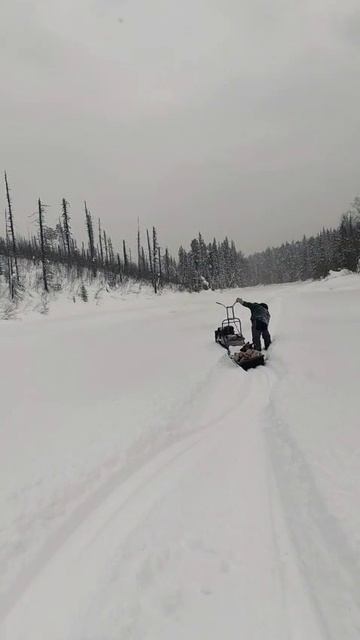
{"points": [[237, 117]]}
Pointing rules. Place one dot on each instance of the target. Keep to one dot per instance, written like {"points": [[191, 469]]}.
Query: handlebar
{"points": [[227, 306]]}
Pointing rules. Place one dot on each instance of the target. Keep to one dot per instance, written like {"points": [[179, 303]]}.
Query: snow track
{"points": [[199, 513], [138, 469], [330, 567]]}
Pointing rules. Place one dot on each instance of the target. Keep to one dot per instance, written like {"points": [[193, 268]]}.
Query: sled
{"points": [[231, 338], [230, 332]]}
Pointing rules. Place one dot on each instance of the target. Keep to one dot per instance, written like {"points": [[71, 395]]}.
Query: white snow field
{"points": [[152, 490]]}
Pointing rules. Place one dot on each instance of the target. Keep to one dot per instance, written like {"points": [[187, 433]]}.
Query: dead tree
{"points": [[139, 249], [149, 249], [160, 270], [119, 267], [154, 258], [61, 233], [167, 265], [111, 252], [101, 245], [126, 260], [143, 261], [90, 230], [106, 248], [42, 245], [11, 229], [66, 221], [9, 259]]}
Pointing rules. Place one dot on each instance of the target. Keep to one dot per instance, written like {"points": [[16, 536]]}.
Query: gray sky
{"points": [[239, 117]]}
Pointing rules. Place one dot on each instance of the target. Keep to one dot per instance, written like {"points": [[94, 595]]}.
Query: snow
{"points": [[151, 489]]}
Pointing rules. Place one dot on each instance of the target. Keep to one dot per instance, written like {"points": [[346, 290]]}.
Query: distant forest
{"points": [[215, 265]]}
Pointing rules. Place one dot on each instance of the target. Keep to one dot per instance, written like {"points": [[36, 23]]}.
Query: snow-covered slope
{"points": [[71, 293], [150, 489]]}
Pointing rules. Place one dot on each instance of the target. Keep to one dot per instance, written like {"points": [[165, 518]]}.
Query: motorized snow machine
{"points": [[230, 336]]}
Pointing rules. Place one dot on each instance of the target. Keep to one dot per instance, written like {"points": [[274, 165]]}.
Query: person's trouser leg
{"points": [[256, 334], [266, 337]]}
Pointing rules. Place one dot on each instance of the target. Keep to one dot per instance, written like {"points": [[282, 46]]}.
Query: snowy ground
{"points": [[150, 489]]}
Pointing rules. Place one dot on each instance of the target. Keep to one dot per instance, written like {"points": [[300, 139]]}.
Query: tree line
{"points": [[204, 265], [49, 246]]}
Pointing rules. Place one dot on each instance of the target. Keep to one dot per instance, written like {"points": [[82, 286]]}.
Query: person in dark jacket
{"points": [[260, 318]]}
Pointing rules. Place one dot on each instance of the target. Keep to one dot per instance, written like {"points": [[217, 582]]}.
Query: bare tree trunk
{"points": [[9, 260], [42, 245], [126, 262], [91, 240], [143, 260], [110, 252], [167, 265], [119, 267], [63, 239], [155, 275], [66, 219], [139, 249], [149, 248], [100, 244], [12, 232], [106, 248], [160, 270]]}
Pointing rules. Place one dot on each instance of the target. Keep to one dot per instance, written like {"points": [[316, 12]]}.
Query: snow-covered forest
{"points": [[216, 264]]}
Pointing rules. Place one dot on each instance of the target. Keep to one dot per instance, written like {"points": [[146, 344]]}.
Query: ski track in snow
{"points": [[330, 567], [211, 525], [96, 499]]}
